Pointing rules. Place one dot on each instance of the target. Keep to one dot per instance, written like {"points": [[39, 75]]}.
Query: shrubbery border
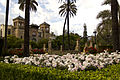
{"points": [[27, 72]]}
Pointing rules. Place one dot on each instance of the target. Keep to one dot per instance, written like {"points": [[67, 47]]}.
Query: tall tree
{"points": [[115, 27], [28, 5], [85, 34], [104, 28], [112, 21], [6, 24], [67, 9]]}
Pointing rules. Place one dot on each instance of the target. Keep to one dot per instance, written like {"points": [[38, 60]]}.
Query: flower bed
{"points": [[19, 52], [38, 51], [72, 62], [91, 50]]}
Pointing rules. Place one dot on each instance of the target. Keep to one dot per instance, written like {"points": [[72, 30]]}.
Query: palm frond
{"points": [[104, 14], [106, 2], [33, 5], [64, 7], [22, 6], [20, 1], [34, 2]]}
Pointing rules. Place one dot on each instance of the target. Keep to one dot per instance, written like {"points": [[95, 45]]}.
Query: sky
{"points": [[48, 11]]}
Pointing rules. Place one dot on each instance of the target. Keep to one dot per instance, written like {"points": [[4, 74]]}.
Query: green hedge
{"points": [[26, 72]]}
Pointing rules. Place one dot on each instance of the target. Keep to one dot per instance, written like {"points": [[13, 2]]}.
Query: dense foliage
{"points": [[58, 41], [41, 42], [26, 72], [38, 51], [91, 50], [13, 42], [19, 52]]}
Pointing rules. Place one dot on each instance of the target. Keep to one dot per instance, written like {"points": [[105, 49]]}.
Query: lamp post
{"points": [[95, 36]]}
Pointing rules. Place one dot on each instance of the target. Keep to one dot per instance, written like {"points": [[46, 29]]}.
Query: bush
{"points": [[91, 50], [14, 42], [26, 72], [41, 42], [33, 44], [18, 52], [38, 51]]}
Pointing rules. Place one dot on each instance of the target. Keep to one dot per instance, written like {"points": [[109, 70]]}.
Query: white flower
{"points": [[15, 56], [70, 66], [69, 69], [54, 64], [83, 67], [6, 57], [48, 64], [74, 69], [117, 60], [28, 62], [6, 61]]}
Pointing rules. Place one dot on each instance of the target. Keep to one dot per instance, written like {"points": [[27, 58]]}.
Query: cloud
{"points": [[3, 2], [48, 11], [1, 18]]}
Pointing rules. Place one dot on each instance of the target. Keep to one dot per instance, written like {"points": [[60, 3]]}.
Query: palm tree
{"points": [[33, 5], [115, 26], [67, 9], [28, 5], [111, 18], [6, 25], [104, 28]]}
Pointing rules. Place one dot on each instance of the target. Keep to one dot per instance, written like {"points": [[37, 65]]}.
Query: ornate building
{"points": [[17, 29]]}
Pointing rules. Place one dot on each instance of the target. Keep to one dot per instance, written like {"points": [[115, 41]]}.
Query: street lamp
{"points": [[95, 36]]}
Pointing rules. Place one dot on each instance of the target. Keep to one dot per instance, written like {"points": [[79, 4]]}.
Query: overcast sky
{"points": [[47, 11]]}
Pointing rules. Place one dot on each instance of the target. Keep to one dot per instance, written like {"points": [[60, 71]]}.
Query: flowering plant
{"points": [[71, 62], [18, 52], [91, 50], [38, 51]]}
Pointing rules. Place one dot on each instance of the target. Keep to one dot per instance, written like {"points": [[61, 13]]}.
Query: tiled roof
{"points": [[34, 26], [19, 17], [44, 23]]}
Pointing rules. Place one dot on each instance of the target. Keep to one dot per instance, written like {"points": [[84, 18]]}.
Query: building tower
{"points": [[18, 27], [45, 30]]}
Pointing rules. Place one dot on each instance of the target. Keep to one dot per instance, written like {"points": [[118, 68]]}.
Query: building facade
{"points": [[17, 29]]}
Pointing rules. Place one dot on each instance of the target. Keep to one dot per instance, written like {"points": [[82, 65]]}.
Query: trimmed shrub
{"points": [[18, 52], [91, 50], [38, 51], [26, 72]]}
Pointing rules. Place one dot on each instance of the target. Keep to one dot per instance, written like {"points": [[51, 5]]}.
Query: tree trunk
{"points": [[115, 27], [6, 24], [64, 32], [68, 24], [26, 31]]}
